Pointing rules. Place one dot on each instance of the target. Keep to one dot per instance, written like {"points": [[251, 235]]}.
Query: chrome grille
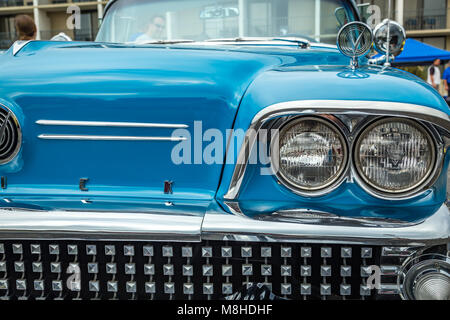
{"points": [[392, 258], [208, 270], [10, 135]]}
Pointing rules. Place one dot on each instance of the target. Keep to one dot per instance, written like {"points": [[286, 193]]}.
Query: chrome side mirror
{"points": [[390, 38]]}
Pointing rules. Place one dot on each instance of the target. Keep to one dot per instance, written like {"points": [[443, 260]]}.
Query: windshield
{"points": [[145, 21]]}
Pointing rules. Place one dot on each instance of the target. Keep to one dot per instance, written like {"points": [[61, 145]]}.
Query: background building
{"points": [[50, 17], [425, 20]]}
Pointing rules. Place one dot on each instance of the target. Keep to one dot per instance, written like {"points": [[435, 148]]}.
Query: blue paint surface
{"points": [[222, 86]]}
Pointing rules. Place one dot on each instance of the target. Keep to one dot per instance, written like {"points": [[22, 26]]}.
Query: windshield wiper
{"points": [[301, 42], [174, 41]]}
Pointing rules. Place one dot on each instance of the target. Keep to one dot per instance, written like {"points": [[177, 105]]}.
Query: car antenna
{"points": [[388, 53]]}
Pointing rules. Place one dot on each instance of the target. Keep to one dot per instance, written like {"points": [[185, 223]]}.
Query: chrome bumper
{"points": [[215, 224], [214, 241]]}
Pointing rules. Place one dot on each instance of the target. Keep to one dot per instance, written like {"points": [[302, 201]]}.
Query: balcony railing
{"points": [[417, 20], [67, 1], [6, 39], [21, 3], [48, 34], [80, 35], [85, 35], [15, 3]]}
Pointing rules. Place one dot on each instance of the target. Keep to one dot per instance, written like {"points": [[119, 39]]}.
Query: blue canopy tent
{"points": [[416, 52]]}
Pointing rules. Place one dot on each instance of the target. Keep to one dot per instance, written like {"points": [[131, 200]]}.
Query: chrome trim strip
{"points": [[389, 289], [19, 45], [110, 124], [107, 138], [390, 270], [305, 216], [234, 208], [23, 224], [397, 251], [434, 230], [334, 107]]}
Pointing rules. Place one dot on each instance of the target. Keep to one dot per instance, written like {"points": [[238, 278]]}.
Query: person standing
{"points": [[434, 74], [446, 78], [25, 27]]}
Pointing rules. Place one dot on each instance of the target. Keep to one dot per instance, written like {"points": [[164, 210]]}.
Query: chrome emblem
{"points": [[354, 40]]}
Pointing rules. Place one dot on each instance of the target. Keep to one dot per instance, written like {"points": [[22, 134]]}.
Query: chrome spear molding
{"points": [[334, 107], [110, 124], [107, 138]]}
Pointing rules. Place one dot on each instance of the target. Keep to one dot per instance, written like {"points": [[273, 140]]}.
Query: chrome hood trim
{"points": [[334, 107], [107, 138]]}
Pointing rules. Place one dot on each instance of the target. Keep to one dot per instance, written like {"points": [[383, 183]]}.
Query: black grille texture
{"points": [[199, 271]]}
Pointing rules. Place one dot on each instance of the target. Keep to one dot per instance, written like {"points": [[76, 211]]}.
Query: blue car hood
{"points": [[89, 82], [199, 87]]}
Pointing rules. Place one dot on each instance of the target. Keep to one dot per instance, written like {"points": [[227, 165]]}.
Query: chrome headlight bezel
{"points": [[401, 193], [355, 114], [416, 267], [339, 129]]}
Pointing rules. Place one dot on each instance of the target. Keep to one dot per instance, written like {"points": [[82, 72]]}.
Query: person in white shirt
{"points": [[434, 74], [154, 32]]}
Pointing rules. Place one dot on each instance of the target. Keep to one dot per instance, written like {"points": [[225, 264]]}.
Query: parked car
{"points": [[222, 150]]}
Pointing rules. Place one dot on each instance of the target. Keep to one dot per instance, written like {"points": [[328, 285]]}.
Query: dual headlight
{"points": [[391, 155]]}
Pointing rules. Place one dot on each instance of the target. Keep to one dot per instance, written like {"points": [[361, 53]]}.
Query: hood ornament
{"points": [[355, 40]]}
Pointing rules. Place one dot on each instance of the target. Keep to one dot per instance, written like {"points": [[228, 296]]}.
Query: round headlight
{"points": [[312, 154], [433, 286], [395, 155], [425, 277]]}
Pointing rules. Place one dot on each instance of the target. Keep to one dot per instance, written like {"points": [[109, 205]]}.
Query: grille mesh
{"points": [[9, 135], [208, 270]]}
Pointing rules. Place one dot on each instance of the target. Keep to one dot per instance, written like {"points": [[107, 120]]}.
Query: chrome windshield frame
{"points": [[352, 6], [351, 2]]}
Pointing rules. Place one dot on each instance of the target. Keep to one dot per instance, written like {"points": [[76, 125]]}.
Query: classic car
{"points": [[223, 149]]}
